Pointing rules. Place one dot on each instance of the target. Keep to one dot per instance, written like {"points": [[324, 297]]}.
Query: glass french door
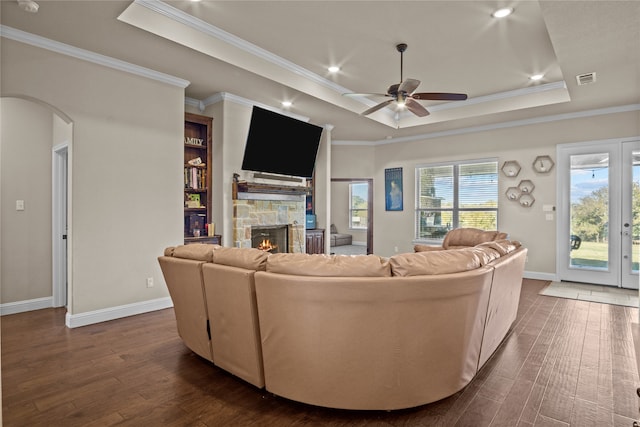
{"points": [[599, 213]]}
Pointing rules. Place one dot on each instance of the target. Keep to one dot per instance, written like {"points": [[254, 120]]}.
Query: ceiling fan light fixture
{"points": [[503, 12], [28, 6]]}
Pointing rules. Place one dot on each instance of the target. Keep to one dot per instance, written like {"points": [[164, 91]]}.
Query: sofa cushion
{"points": [[196, 251], [485, 254], [247, 258], [501, 246], [434, 262], [467, 237], [328, 265]]}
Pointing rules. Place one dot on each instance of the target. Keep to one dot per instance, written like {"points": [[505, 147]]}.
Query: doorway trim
{"points": [[369, 182], [59, 218]]}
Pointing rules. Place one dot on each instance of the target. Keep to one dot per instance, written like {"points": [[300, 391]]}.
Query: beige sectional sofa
{"points": [[351, 332]]}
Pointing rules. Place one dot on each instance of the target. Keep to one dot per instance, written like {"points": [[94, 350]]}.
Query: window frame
{"points": [[455, 209], [351, 210]]}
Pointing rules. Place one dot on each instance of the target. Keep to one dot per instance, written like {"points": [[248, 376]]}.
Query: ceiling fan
{"points": [[403, 93]]}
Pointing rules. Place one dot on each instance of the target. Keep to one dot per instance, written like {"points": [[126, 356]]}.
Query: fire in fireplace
{"points": [[271, 238]]}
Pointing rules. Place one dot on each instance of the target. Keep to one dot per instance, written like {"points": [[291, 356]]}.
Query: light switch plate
{"points": [[19, 205]]}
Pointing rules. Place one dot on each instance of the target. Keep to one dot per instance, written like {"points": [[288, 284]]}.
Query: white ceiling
{"points": [[270, 51]]}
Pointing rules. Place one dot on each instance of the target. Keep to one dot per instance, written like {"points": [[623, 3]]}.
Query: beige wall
{"points": [[25, 141], [127, 172], [521, 143]]}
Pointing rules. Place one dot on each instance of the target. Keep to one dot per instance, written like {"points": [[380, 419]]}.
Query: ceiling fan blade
{"points": [[377, 107], [440, 96], [409, 85], [415, 107], [365, 94]]}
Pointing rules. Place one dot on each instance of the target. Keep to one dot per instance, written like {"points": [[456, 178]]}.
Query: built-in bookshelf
{"points": [[197, 180]]}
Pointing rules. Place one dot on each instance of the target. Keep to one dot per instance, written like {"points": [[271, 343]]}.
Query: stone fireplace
{"points": [[269, 208]]}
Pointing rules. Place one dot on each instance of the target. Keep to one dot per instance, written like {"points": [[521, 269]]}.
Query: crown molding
{"points": [[85, 55], [226, 96], [494, 126]]}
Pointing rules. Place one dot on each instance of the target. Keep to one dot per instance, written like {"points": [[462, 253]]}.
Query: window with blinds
{"points": [[454, 195]]}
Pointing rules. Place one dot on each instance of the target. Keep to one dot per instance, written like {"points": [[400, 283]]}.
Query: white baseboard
{"points": [[539, 276], [112, 313], [28, 305]]}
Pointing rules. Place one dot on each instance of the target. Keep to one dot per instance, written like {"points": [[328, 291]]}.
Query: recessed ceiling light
{"points": [[333, 69], [286, 103], [536, 77], [501, 13]]}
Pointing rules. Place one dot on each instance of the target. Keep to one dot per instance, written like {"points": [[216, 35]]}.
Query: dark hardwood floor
{"points": [[565, 362]]}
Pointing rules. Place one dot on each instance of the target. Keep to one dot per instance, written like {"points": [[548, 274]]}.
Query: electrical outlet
{"points": [[395, 248], [149, 282], [19, 205]]}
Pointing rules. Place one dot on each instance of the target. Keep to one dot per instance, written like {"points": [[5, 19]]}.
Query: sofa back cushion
{"points": [[328, 265], [196, 251], [247, 258], [435, 262], [503, 247], [461, 237]]}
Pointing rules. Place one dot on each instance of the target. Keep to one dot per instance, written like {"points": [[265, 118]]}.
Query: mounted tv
{"points": [[281, 145]]}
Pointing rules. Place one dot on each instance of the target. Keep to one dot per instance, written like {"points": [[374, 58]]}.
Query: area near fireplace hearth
{"points": [[265, 212]]}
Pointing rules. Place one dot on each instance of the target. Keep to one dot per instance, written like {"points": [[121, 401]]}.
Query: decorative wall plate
{"points": [[513, 193], [543, 164], [511, 168], [526, 200], [526, 186]]}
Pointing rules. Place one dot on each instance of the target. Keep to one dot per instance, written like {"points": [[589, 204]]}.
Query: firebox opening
{"points": [[270, 238]]}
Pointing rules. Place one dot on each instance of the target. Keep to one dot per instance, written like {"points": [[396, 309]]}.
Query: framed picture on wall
{"points": [[393, 189]]}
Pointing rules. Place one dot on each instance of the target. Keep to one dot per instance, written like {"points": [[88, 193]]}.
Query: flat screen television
{"points": [[280, 144]]}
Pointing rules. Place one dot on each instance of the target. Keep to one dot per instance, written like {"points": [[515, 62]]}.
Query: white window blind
{"points": [[453, 195]]}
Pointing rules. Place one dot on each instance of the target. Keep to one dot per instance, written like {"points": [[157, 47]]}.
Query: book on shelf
{"points": [[195, 178]]}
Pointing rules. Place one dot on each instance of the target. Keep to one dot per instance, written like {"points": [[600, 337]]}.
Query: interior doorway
{"points": [[341, 210]]}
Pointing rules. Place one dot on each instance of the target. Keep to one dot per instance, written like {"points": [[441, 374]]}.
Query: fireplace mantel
{"points": [[243, 190]]}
